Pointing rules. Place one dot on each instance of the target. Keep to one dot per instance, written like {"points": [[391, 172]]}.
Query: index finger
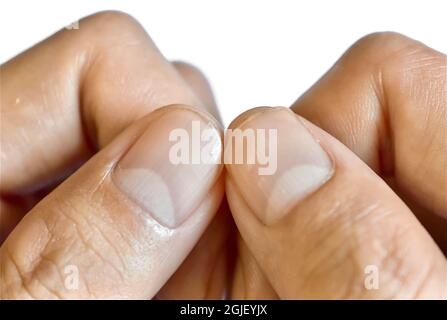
{"points": [[386, 99], [74, 92]]}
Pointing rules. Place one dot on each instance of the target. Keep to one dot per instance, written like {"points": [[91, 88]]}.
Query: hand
{"points": [[121, 242], [360, 193], [86, 99]]}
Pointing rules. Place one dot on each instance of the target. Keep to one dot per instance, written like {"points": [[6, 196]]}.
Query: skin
{"points": [[380, 113]]}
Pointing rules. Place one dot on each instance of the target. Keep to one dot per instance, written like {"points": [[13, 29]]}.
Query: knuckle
{"points": [[19, 282], [389, 251], [112, 19], [357, 237], [377, 39], [402, 274], [382, 44], [27, 267], [394, 51], [108, 28]]}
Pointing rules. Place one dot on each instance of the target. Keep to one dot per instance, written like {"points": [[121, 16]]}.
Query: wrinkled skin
{"points": [[73, 104]]}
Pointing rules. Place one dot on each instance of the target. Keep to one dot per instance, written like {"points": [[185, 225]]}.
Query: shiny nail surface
{"points": [[302, 165], [172, 165]]}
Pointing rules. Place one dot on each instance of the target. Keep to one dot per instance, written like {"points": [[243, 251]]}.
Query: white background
{"points": [[253, 52]]}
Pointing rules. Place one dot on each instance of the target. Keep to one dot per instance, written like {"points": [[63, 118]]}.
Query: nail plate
{"points": [[302, 165], [166, 189]]}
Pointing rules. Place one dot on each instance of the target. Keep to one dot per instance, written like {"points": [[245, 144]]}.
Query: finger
{"points": [[199, 85], [14, 207], [125, 221], [205, 272], [11, 211], [318, 221], [249, 281], [74, 92], [386, 99]]}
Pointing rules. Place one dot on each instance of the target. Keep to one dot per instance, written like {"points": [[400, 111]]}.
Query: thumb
{"points": [[122, 224], [322, 224]]}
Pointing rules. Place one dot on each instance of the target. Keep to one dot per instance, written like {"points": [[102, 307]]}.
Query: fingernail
{"points": [[171, 167], [302, 165]]}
